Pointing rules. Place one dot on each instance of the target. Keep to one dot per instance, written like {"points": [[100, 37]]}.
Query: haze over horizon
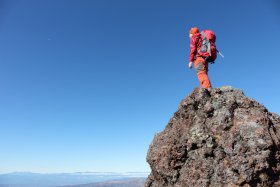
{"points": [[69, 179], [85, 85]]}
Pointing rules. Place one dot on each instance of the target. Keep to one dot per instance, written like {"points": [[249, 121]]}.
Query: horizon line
{"points": [[73, 172]]}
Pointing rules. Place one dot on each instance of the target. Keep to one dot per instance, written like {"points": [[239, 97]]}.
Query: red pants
{"points": [[201, 67]]}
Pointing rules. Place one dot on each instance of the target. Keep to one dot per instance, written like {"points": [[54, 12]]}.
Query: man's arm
{"points": [[193, 49]]}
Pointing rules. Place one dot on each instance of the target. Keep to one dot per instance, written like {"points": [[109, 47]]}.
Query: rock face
{"points": [[219, 138]]}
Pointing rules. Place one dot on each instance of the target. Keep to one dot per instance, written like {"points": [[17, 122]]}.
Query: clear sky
{"points": [[85, 85]]}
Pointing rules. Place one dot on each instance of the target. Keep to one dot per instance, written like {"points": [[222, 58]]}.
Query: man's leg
{"points": [[201, 68]]}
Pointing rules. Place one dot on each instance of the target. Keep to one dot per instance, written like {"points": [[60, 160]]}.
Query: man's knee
{"points": [[199, 68]]}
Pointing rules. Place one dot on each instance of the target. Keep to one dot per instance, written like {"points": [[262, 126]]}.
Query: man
{"points": [[200, 64]]}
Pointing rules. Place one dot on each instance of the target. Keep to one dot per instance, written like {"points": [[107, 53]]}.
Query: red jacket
{"points": [[195, 44]]}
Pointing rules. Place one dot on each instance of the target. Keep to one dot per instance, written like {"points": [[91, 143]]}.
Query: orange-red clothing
{"points": [[195, 45], [201, 67]]}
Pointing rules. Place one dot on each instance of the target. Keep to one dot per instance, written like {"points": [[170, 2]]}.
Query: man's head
{"points": [[193, 31]]}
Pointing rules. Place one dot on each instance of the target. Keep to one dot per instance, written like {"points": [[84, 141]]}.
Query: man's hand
{"points": [[190, 64]]}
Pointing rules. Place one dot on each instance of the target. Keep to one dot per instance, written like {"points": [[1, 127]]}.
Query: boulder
{"points": [[217, 138]]}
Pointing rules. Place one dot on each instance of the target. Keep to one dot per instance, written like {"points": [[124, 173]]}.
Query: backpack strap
{"points": [[207, 43], [203, 34]]}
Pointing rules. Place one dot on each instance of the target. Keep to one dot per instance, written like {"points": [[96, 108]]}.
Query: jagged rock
{"points": [[219, 138]]}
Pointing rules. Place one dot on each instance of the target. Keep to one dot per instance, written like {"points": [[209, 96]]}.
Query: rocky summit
{"points": [[217, 138]]}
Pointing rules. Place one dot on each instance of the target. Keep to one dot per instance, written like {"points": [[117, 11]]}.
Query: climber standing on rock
{"points": [[202, 51]]}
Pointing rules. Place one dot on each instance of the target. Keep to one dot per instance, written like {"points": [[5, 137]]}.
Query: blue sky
{"points": [[85, 85]]}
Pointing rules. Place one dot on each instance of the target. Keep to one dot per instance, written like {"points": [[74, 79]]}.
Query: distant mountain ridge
{"points": [[136, 182], [28, 179]]}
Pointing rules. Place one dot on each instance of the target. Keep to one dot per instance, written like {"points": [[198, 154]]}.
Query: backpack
{"points": [[208, 48]]}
